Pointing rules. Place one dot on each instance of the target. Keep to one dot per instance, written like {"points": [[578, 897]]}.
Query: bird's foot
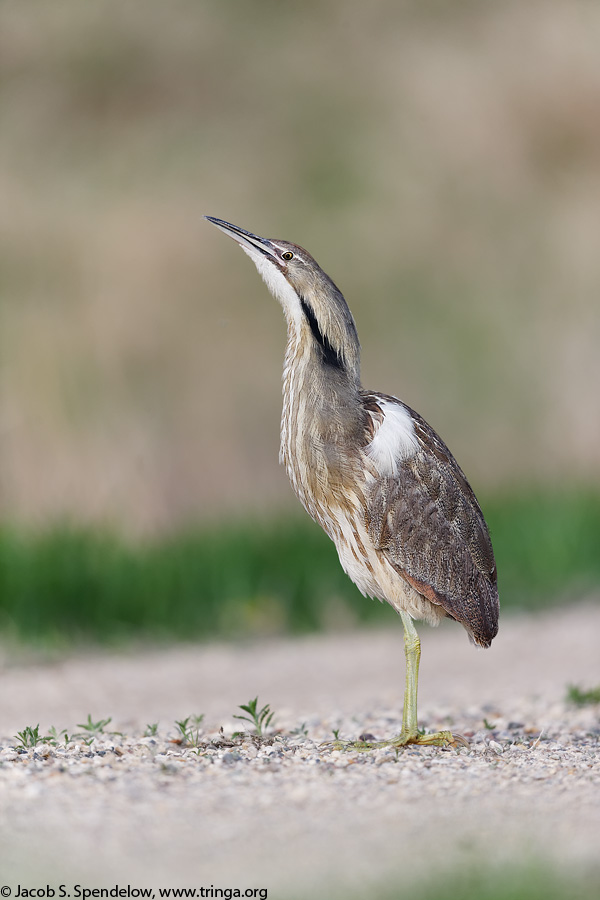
{"points": [[434, 739]]}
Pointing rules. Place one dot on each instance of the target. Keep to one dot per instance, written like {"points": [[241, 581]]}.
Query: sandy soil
{"points": [[288, 814]]}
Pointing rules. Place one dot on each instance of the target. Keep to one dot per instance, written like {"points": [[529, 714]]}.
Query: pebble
{"points": [[8, 755]]}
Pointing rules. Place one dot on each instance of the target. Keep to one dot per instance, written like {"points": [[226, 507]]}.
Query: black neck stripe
{"points": [[331, 357]]}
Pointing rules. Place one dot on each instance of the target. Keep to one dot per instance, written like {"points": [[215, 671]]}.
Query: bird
{"points": [[374, 475]]}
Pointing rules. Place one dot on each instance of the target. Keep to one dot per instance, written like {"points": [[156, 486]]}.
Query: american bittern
{"points": [[379, 480]]}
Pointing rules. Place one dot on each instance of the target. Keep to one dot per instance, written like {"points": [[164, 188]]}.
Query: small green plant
{"points": [[260, 719], [488, 725], [151, 730], [54, 736], [301, 730], [93, 729], [30, 736], [336, 733], [579, 697], [189, 730]]}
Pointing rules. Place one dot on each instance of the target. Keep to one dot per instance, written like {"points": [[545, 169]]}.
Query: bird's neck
{"points": [[322, 419]]}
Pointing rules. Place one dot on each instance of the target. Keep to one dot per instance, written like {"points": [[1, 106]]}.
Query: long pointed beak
{"points": [[245, 239]]}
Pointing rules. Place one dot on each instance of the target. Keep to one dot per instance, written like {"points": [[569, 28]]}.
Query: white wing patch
{"points": [[394, 439]]}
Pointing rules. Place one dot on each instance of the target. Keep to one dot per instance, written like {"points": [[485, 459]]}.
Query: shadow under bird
{"points": [[378, 479]]}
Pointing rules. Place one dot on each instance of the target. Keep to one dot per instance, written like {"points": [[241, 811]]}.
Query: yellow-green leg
{"points": [[410, 732]]}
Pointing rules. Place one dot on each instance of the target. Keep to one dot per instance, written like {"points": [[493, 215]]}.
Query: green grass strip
{"points": [[68, 583], [517, 880]]}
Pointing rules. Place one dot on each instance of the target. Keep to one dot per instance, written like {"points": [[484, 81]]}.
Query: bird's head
{"points": [[315, 308]]}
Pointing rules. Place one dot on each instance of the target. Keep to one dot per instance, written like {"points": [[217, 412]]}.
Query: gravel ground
{"points": [[285, 813]]}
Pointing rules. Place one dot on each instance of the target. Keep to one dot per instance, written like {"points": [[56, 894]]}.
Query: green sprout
{"points": [[95, 728], [54, 736], [260, 719], [189, 729], [30, 736], [300, 730], [92, 730], [579, 697]]}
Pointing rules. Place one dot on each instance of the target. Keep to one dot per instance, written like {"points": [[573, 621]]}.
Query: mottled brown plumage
{"points": [[429, 525], [372, 472]]}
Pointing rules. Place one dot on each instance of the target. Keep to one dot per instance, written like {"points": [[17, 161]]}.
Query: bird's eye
{"points": [[287, 255]]}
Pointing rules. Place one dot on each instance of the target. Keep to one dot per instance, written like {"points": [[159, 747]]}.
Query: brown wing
{"points": [[429, 525]]}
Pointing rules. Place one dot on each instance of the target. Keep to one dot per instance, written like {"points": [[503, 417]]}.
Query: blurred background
{"points": [[441, 160]]}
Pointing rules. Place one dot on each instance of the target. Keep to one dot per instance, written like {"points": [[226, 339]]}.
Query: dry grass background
{"points": [[442, 162]]}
